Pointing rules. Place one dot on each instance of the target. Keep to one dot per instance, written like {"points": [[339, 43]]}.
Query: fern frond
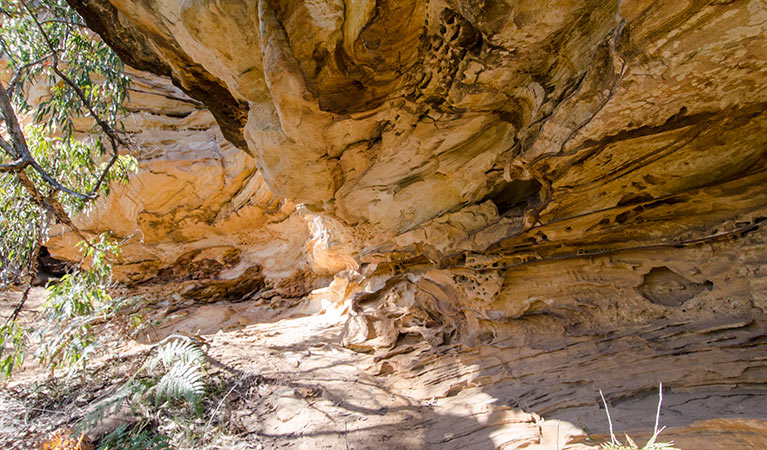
{"points": [[184, 380], [136, 438], [109, 405], [178, 350]]}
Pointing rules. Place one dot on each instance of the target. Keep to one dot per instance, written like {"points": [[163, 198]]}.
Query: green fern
{"points": [[183, 381], [111, 404], [184, 376], [135, 438], [178, 350]]}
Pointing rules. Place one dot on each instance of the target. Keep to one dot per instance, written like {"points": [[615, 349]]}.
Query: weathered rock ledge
{"points": [[532, 200]]}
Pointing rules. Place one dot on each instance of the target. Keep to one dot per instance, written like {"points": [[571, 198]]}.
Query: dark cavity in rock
{"points": [[663, 286]]}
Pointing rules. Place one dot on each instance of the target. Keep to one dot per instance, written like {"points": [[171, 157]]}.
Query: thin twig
{"points": [[40, 27], [657, 413], [219, 406], [6, 12], [6, 50], [6, 146], [18, 308], [15, 166], [65, 22], [51, 204], [609, 420], [346, 435], [58, 186]]}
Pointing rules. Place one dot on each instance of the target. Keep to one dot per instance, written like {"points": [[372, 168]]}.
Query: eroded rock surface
{"points": [[531, 199], [197, 219]]}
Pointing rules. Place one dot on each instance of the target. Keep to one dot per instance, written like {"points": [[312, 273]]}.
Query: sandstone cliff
{"points": [[531, 200]]}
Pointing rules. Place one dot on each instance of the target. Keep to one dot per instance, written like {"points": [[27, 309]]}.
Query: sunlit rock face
{"points": [[520, 177], [197, 216], [389, 115]]}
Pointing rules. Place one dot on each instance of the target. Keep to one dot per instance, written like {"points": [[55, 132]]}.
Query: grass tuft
{"points": [[651, 444]]}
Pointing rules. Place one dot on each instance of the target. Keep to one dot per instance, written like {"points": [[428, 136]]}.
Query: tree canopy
{"points": [[62, 95]]}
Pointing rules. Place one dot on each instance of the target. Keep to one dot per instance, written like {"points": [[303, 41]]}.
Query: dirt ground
{"points": [[10, 299], [284, 381]]}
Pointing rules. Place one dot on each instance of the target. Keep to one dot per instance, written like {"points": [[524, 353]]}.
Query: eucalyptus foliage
{"points": [[14, 336], [21, 221], [69, 83], [63, 330], [62, 145], [77, 302], [50, 45]]}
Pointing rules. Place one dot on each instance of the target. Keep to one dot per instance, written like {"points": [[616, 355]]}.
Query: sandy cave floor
{"points": [[288, 383]]}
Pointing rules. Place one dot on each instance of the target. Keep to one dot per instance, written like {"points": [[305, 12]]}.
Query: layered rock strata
{"points": [[197, 219], [515, 185]]}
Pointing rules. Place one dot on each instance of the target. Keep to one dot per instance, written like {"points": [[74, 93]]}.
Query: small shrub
{"points": [[13, 347], [63, 326], [77, 302]]}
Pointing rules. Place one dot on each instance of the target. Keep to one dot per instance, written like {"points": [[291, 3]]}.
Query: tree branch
{"points": [[19, 148], [16, 166], [17, 74], [40, 27], [58, 186], [21, 152], [31, 267], [6, 12], [6, 146], [24, 157], [50, 204], [6, 50], [65, 22]]}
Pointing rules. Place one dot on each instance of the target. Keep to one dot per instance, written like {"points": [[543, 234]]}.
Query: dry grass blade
{"points": [[615, 444]]}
